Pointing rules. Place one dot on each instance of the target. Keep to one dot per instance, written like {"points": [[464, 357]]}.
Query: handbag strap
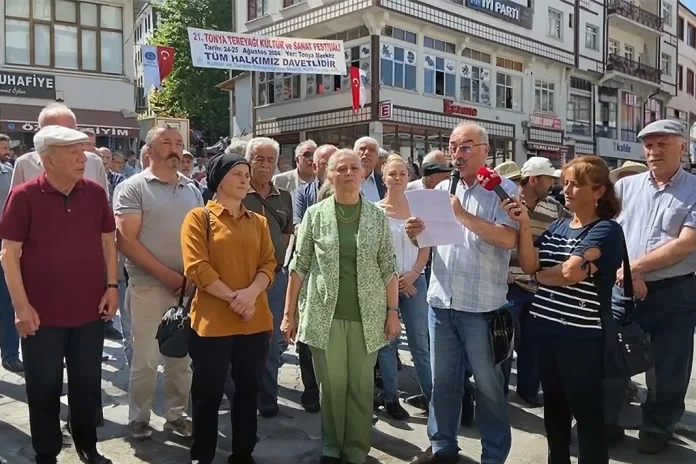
{"points": [[187, 308], [273, 212]]}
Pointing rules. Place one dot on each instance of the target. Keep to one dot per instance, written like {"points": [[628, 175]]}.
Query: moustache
{"points": [[459, 162], [173, 156]]}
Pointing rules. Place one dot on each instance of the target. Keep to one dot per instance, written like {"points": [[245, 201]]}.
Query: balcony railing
{"points": [[637, 69], [634, 13]]}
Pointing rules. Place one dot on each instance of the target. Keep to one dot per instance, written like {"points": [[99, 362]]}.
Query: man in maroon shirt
{"points": [[59, 257]]}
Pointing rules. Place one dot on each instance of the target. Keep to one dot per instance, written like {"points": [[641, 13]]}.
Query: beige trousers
{"points": [[147, 306]]}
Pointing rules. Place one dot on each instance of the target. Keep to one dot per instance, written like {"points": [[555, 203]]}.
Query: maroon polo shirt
{"points": [[62, 261]]}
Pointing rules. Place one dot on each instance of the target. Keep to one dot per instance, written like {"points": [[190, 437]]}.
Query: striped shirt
{"points": [[547, 210], [573, 310]]}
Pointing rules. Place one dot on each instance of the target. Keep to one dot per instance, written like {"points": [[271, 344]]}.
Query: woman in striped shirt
{"points": [[565, 310]]}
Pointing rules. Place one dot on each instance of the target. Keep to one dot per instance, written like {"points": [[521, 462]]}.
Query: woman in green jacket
{"points": [[345, 269]]}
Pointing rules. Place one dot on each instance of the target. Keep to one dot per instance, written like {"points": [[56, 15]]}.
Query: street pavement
{"points": [[293, 437]]}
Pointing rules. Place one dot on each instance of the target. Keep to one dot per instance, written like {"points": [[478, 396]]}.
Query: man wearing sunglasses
{"points": [[303, 173]]}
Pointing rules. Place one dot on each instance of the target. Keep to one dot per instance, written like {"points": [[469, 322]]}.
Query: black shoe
{"points": [[92, 457], [652, 442], [112, 333], [13, 365], [310, 401], [614, 434], [240, 459], [329, 460], [397, 411], [533, 402], [312, 408], [418, 401], [271, 412], [43, 459]]}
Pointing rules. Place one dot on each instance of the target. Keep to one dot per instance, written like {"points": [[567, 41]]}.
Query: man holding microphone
{"points": [[468, 281]]}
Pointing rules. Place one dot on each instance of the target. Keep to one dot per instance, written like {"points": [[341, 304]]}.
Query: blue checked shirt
{"points": [[472, 276]]}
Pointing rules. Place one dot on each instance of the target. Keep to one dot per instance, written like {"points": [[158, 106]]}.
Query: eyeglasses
{"points": [[467, 148], [307, 155]]}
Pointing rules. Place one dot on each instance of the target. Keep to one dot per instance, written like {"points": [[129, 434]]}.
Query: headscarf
{"points": [[219, 166]]}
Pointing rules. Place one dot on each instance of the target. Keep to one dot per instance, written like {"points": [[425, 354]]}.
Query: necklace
{"points": [[341, 215]]}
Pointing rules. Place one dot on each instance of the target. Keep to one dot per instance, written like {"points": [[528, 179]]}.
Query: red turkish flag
{"points": [[165, 61], [355, 86]]}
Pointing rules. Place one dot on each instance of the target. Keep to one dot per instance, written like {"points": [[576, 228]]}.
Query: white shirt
{"points": [[369, 188], [415, 185], [406, 252]]}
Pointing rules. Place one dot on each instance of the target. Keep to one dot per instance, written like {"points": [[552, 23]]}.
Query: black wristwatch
{"points": [[112, 286]]}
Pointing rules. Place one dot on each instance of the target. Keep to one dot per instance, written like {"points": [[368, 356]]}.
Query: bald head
{"points": [[57, 114], [321, 159], [435, 156], [105, 154]]}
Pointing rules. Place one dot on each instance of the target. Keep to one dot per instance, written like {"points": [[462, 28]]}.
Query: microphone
{"points": [[454, 180], [490, 180]]}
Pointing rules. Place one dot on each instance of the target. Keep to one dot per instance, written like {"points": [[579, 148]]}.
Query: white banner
{"points": [[226, 50]]}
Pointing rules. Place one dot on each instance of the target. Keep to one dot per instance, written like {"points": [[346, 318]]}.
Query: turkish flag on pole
{"points": [[357, 85], [165, 60]]}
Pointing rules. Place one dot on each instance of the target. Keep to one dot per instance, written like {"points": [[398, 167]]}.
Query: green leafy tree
{"points": [[189, 92]]}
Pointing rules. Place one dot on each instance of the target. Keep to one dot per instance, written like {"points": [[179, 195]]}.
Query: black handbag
{"points": [[174, 329], [628, 349], [501, 333]]}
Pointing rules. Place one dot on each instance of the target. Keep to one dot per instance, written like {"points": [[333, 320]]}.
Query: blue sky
{"points": [[691, 4]]}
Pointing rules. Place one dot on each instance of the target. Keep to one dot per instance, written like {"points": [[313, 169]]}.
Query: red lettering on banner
{"points": [[452, 108]]}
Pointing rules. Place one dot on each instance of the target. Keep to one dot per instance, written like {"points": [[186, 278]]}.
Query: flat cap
{"points": [[663, 127], [57, 136]]}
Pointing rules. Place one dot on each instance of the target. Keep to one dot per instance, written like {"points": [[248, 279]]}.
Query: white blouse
{"points": [[406, 251]]}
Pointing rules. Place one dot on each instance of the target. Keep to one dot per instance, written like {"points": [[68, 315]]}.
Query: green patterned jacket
{"points": [[316, 260]]}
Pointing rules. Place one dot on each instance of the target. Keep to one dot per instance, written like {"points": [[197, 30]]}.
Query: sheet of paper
{"points": [[433, 207]]}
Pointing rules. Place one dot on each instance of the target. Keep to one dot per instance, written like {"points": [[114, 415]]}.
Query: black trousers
{"points": [[81, 347], [571, 377], [211, 357], [310, 395]]}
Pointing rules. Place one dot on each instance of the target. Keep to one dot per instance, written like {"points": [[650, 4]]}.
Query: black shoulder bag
{"points": [[628, 349], [174, 329]]}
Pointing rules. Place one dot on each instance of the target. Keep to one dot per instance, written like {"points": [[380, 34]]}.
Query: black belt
{"points": [[668, 282]]}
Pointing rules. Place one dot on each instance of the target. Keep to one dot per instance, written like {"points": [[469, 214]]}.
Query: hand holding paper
{"points": [[434, 208]]}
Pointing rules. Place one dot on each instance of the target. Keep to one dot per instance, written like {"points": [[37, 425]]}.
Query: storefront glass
{"points": [[342, 137]]}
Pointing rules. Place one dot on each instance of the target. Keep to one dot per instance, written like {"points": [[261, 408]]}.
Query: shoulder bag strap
{"points": [[273, 212], [187, 308], [629, 299]]}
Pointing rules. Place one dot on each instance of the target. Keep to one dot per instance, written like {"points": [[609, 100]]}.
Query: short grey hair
{"points": [[333, 160], [383, 154], [237, 147], [320, 151], [367, 140], [118, 153], [301, 147], [482, 132], [152, 132], [433, 156], [104, 151], [258, 142], [55, 110]]}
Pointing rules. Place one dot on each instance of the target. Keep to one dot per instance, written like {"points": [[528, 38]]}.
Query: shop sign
{"points": [[506, 10], [449, 107], [547, 122], [546, 147], [619, 149], [246, 52], [104, 131], [27, 85], [385, 110]]}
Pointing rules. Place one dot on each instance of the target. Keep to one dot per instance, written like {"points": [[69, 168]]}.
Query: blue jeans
{"points": [[125, 319], [268, 393], [528, 381], [414, 312], [9, 337], [454, 337]]}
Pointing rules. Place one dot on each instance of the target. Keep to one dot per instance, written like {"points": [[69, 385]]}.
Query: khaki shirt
{"points": [[28, 167]]}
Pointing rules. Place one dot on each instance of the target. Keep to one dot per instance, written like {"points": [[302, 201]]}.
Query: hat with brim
{"points": [[628, 167], [57, 136], [188, 153], [434, 168], [508, 169]]}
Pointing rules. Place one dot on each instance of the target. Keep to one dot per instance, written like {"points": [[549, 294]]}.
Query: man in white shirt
{"points": [[434, 168], [373, 186]]}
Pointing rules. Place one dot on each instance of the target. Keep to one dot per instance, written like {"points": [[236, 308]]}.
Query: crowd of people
{"points": [[327, 257]]}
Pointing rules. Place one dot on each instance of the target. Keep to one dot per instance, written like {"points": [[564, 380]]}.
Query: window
{"points": [[475, 84], [278, 87], [628, 52], [571, 20], [289, 3], [397, 67], [580, 84], [653, 111], [591, 37], [691, 35], [680, 77], [544, 95], [578, 116], [64, 34], [689, 81], [439, 45], [555, 24], [358, 56], [400, 34], [256, 9], [476, 55], [508, 91], [440, 77], [606, 115], [666, 64], [680, 28], [509, 64], [666, 13], [614, 47], [631, 117]]}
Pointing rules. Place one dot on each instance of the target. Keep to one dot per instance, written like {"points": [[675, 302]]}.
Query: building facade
{"points": [[75, 52], [683, 106], [146, 21]]}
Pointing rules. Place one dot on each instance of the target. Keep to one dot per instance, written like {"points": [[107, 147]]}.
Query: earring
{"points": [[596, 204]]}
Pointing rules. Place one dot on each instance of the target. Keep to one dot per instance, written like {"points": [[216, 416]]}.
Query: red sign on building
{"points": [[385, 110], [547, 122], [457, 110]]}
